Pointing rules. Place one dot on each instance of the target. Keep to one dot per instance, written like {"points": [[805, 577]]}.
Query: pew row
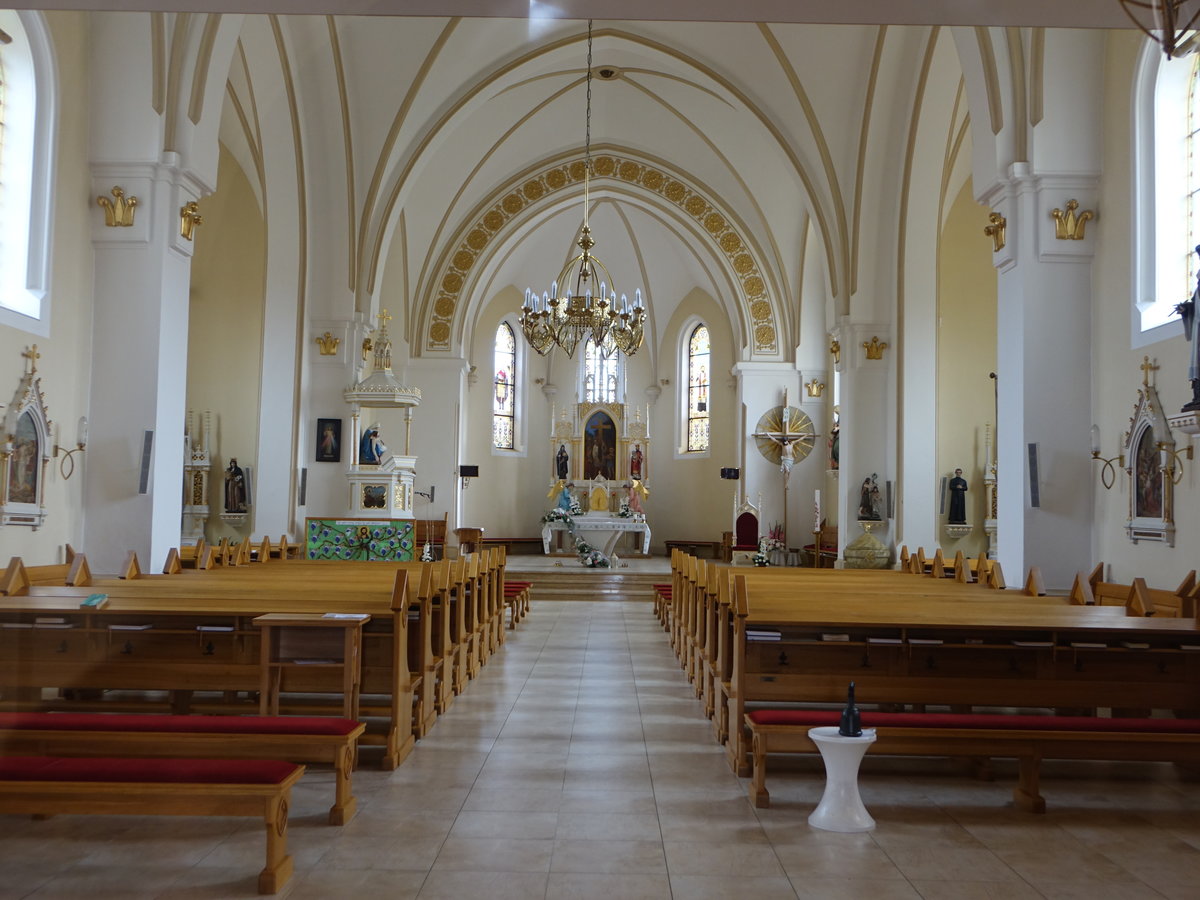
{"points": [[1026, 738], [45, 786], [306, 739]]}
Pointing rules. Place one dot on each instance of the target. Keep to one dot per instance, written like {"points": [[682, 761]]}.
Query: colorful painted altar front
{"points": [[383, 540]]}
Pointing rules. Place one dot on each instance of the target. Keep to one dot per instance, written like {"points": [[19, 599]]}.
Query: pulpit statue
{"points": [[371, 448], [1191, 331]]}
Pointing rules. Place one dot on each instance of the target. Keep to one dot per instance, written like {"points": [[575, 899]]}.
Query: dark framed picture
{"points": [[329, 440]]}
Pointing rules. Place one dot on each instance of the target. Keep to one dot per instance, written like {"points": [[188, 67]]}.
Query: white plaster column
{"points": [[139, 366], [439, 438], [760, 388], [1044, 369], [867, 447]]}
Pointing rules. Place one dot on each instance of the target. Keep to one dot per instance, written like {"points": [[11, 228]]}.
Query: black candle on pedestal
{"points": [[851, 725]]}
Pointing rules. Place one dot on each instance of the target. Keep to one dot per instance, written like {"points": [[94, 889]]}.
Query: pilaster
{"points": [[1044, 370]]}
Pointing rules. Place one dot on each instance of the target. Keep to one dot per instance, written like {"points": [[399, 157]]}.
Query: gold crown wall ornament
{"points": [[189, 218], [996, 230], [875, 348], [815, 388], [835, 349], [118, 212], [1069, 226], [328, 344]]}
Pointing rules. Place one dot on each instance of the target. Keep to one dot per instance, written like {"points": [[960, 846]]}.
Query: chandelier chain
{"points": [[587, 130]]}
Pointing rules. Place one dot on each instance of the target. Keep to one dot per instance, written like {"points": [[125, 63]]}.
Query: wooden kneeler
{"points": [[44, 786]]}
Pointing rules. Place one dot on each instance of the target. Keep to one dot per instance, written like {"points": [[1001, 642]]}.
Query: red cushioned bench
{"points": [[1026, 738], [516, 601], [317, 739], [44, 786]]}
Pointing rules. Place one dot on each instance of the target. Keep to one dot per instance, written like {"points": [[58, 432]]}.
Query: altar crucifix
{"points": [[785, 435]]}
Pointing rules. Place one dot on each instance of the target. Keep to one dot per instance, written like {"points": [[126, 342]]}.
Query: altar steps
{"points": [[574, 582]]}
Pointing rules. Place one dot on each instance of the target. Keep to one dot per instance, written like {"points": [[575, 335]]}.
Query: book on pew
{"points": [[834, 636], [95, 601], [138, 627], [357, 617], [214, 628], [1189, 646], [754, 634], [1135, 645], [1034, 644], [49, 620], [884, 640], [53, 624], [16, 624], [930, 642], [1089, 645], [314, 662]]}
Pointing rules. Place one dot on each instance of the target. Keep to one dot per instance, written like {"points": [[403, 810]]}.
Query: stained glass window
{"points": [[601, 374], [504, 402], [698, 411]]}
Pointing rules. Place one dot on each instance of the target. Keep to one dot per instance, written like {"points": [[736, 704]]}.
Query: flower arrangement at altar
{"points": [[589, 556], [576, 506], [773, 540], [559, 515], [625, 512], [760, 557]]}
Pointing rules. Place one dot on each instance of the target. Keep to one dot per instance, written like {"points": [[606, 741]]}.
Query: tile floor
{"points": [[579, 765]]}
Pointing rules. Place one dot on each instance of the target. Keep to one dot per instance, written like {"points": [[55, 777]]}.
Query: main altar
{"points": [[600, 467]]}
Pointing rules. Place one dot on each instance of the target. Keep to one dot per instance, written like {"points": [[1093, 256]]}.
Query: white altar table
{"points": [[602, 532]]}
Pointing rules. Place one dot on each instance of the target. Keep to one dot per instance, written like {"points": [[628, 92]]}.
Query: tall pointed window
{"points": [[28, 116], [1166, 163], [504, 384], [698, 367], [601, 374]]}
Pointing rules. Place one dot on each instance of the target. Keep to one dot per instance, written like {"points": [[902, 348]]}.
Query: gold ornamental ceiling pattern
{"points": [[759, 309]]}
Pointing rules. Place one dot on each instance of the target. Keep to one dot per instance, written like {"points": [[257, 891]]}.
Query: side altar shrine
{"points": [[379, 524], [600, 468]]}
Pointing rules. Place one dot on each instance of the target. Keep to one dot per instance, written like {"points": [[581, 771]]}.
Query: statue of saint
{"points": [[371, 448], [235, 488], [637, 492], [562, 460], [635, 462], [1191, 331], [958, 499], [869, 501]]}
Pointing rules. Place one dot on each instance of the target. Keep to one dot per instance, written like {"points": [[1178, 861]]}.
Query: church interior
{"points": [[885, 279]]}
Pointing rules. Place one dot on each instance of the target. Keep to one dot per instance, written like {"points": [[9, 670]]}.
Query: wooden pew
{"points": [[173, 655], [938, 651], [1137, 597]]}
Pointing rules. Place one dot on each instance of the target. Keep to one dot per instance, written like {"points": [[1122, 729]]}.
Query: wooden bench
{"points": [[713, 547], [1026, 738], [16, 577], [45, 786], [1138, 598], [316, 739], [516, 601], [527, 546]]}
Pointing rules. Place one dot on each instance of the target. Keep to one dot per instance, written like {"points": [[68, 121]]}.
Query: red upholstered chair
{"points": [[745, 531]]}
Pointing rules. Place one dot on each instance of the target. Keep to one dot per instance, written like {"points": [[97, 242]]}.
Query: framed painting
{"points": [[1149, 443], [329, 440]]}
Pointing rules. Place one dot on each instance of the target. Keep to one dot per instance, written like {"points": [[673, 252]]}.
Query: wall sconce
{"points": [[80, 445], [1108, 474], [1171, 461]]}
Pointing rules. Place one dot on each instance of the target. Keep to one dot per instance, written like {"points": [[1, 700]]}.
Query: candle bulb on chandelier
{"points": [[1095, 440], [817, 510]]}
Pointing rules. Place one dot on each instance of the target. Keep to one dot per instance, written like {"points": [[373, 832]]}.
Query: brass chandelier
{"points": [[583, 301], [1169, 23]]}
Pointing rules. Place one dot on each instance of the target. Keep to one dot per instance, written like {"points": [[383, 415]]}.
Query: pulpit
{"points": [[469, 537]]}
